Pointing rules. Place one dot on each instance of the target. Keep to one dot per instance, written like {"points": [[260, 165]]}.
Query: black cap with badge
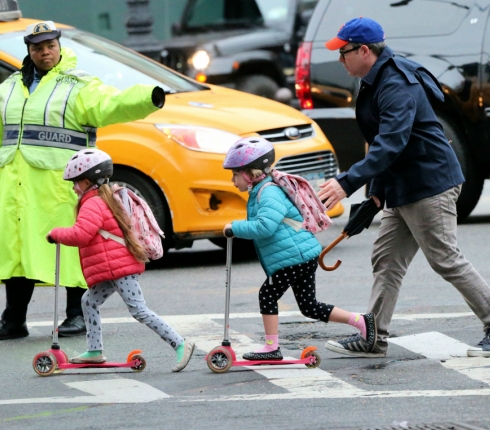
{"points": [[41, 31]]}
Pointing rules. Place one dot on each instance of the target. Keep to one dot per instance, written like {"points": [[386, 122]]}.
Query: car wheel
{"points": [[473, 186], [259, 85], [143, 188]]}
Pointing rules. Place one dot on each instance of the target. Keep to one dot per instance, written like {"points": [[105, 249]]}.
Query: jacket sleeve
{"points": [[270, 213], [99, 105], [397, 108], [89, 221]]}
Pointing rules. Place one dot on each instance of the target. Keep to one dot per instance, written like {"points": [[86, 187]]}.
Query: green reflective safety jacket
{"points": [[39, 132]]}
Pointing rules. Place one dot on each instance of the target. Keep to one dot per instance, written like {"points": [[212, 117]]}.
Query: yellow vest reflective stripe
{"points": [[40, 135]]}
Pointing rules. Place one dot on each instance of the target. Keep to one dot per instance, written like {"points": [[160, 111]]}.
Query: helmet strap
{"points": [[252, 181]]}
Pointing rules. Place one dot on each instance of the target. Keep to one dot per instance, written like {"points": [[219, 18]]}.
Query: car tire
{"points": [[259, 85], [473, 186], [142, 187]]}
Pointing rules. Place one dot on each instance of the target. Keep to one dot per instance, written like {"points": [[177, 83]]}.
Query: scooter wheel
{"points": [[58, 370], [219, 360], [142, 364], [316, 363], [44, 364]]}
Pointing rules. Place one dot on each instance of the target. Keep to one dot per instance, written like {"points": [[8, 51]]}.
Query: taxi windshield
{"points": [[110, 62]]}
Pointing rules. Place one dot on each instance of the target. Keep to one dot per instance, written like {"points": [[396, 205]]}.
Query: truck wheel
{"points": [[259, 85], [473, 186], [143, 188]]}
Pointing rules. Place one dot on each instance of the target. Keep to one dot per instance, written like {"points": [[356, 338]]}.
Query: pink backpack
{"points": [[303, 196], [143, 223]]}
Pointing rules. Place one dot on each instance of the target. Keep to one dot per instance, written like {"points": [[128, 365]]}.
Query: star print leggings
{"points": [[301, 278], [129, 289]]}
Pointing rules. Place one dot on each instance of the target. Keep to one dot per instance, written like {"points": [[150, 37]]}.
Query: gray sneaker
{"points": [[188, 351], [482, 349]]}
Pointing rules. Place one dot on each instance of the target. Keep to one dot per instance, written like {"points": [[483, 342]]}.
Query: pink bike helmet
{"points": [[250, 153], [92, 164]]}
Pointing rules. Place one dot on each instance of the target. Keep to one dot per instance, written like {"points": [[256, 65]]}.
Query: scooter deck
{"points": [[307, 360], [95, 365]]}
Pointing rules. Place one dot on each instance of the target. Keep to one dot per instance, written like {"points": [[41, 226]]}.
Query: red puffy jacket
{"points": [[101, 259]]}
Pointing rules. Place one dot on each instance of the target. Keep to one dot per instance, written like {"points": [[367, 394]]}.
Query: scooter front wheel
{"points": [[317, 357], [142, 364], [219, 360], [44, 364]]}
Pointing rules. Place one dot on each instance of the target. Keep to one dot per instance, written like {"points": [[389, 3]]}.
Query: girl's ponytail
{"points": [[133, 245]]}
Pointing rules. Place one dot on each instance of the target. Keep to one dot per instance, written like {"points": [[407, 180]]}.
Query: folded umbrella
{"points": [[360, 217]]}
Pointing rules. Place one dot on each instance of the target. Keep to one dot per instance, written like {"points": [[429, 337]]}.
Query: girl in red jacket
{"points": [[108, 265]]}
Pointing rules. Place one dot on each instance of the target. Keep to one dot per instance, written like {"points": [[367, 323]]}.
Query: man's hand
{"points": [[377, 201], [331, 193]]}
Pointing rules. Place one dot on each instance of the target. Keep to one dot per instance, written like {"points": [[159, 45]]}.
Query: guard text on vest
{"points": [[54, 137]]}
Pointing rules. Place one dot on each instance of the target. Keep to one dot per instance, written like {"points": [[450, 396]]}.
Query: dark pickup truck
{"points": [[249, 45]]}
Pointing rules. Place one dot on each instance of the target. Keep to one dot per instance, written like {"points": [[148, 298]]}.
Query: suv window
{"points": [[5, 72], [419, 17]]}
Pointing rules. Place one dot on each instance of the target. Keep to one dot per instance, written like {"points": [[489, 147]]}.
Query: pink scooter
{"points": [[222, 358], [55, 360]]}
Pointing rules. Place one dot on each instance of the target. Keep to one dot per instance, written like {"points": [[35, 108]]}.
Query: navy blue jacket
{"points": [[409, 157]]}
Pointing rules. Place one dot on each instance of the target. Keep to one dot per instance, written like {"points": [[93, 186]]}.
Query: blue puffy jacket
{"points": [[278, 245]]}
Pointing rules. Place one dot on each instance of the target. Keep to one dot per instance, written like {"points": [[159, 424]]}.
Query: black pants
{"points": [[19, 293], [301, 278]]}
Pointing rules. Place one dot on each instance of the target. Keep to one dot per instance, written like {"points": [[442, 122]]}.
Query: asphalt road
{"points": [[425, 378]]}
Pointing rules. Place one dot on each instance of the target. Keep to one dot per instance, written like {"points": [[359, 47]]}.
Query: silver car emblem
{"points": [[292, 133]]}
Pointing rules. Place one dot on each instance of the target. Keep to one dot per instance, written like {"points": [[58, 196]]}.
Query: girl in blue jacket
{"points": [[288, 257]]}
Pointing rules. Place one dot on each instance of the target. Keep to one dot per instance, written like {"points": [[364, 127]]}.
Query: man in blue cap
{"points": [[412, 167]]}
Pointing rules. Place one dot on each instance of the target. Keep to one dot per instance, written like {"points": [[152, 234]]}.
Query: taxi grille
{"points": [[309, 163], [278, 135]]}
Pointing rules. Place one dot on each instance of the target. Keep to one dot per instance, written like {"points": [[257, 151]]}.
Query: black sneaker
{"points": [[482, 349], [72, 327], [356, 345], [273, 355], [10, 330]]}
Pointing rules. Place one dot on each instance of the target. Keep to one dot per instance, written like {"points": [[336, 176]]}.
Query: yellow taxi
{"points": [[173, 158]]}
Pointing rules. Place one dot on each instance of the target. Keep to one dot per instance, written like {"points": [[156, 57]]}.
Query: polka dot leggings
{"points": [[129, 289], [301, 278]]}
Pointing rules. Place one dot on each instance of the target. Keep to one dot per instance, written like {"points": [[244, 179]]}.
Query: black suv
{"points": [[249, 45], [450, 38]]}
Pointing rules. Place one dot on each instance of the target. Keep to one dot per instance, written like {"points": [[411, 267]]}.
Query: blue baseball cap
{"points": [[357, 30]]}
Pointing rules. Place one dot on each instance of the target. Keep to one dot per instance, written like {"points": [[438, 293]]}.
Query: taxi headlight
{"points": [[200, 60], [198, 138]]}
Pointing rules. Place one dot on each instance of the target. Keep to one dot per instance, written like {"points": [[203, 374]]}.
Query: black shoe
{"points": [[273, 355], [72, 326], [10, 330]]}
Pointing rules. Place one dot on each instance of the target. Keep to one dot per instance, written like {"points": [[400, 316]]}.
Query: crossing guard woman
{"points": [[48, 109]]}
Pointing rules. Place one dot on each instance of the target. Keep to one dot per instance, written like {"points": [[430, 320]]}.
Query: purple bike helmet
{"points": [[250, 153]]}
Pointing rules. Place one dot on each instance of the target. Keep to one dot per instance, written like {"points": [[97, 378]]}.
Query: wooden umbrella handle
{"points": [[342, 236]]}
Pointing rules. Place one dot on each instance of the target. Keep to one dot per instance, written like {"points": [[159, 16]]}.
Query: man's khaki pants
{"points": [[429, 224]]}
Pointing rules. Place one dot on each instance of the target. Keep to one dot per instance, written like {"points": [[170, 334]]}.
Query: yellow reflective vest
{"points": [[39, 132]]}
